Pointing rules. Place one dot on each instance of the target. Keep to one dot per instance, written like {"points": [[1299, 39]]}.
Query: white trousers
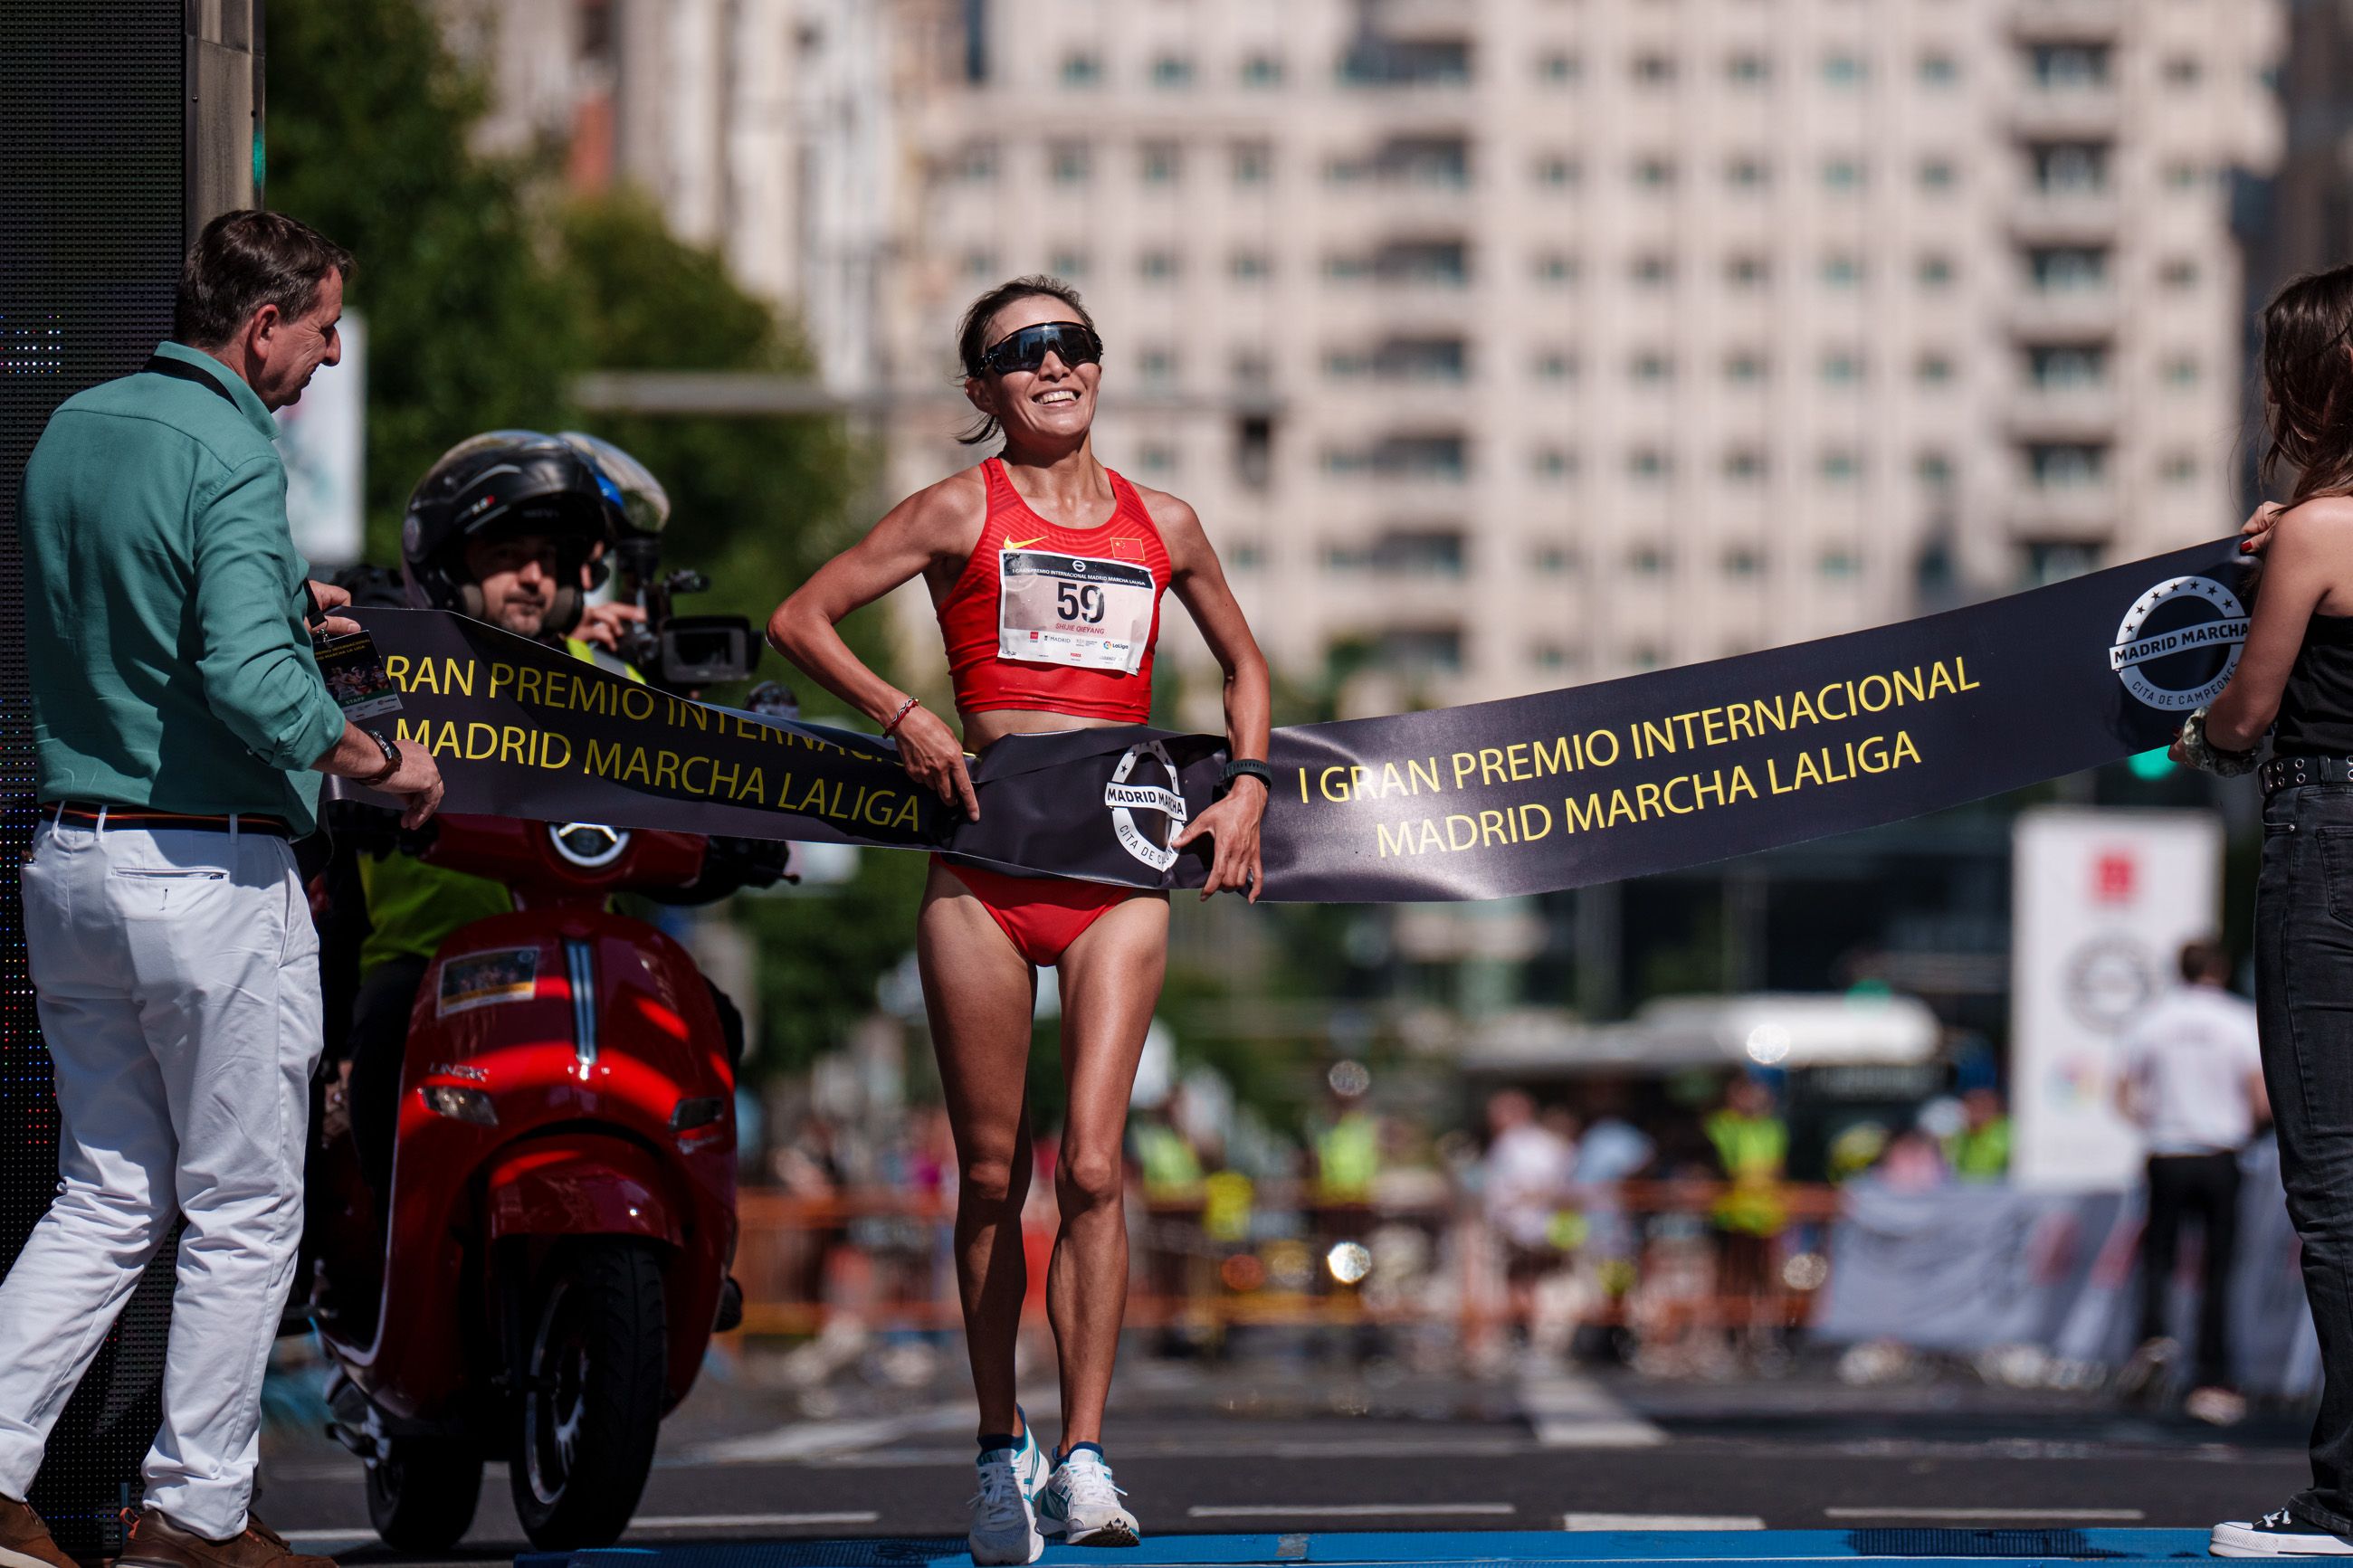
{"points": [[177, 973]]}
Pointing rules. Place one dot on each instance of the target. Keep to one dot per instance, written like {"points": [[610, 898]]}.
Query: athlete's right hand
{"points": [[934, 758], [2256, 531]]}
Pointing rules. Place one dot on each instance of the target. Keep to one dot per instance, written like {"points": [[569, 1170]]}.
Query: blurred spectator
{"points": [[1168, 1164], [1526, 1175], [1912, 1163], [1347, 1146], [2191, 1078], [1980, 1152], [1752, 1151]]}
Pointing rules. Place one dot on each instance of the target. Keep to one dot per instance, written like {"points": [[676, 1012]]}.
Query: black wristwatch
{"points": [[1245, 768], [391, 761]]}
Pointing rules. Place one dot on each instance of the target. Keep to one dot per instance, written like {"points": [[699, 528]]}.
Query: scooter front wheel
{"points": [[592, 1395], [421, 1493]]}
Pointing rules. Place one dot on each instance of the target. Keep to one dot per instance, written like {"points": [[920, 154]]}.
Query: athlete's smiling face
{"points": [[1052, 407]]}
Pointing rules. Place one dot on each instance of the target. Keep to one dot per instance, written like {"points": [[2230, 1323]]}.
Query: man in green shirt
{"points": [[182, 725]]}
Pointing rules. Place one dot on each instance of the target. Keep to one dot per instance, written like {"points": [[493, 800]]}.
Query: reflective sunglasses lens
{"points": [[1027, 349]]}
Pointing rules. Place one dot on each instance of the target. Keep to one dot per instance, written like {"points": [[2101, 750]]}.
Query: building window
{"points": [[1253, 162], [1748, 173], [1934, 270], [1070, 164], [2181, 370], [2179, 273], [1251, 368], [980, 263], [2066, 465], [1172, 71], [1840, 466], [1648, 465], [1938, 70], [2178, 469], [1245, 555], [1550, 655], [2183, 176], [1555, 365], [1158, 266], [1071, 264], [1252, 266], [2048, 563], [1842, 174], [1840, 68], [1556, 267], [1554, 463], [1654, 172], [1158, 458], [2182, 70], [1558, 68], [1745, 465], [1653, 269], [1836, 563], [1651, 367], [1932, 369], [1933, 470], [2069, 67], [1081, 70], [1653, 70], [1556, 169], [1936, 175], [1747, 270], [2069, 168], [1745, 367], [977, 166], [1553, 560], [1741, 561], [1747, 69], [2067, 268], [1160, 163], [1647, 561], [2066, 368], [1841, 270], [1262, 71], [1158, 367], [1841, 367]]}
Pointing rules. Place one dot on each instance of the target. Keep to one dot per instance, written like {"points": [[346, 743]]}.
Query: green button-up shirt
{"points": [[164, 603]]}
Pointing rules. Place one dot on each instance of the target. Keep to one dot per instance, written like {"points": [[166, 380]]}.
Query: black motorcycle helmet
{"points": [[502, 482]]}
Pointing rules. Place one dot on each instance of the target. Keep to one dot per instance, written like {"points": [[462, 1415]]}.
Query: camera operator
{"points": [[508, 527]]}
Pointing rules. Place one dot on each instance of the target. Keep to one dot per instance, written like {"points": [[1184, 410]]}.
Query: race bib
{"points": [[1073, 609]]}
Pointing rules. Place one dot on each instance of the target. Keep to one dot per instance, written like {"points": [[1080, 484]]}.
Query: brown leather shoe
{"points": [[24, 1540], [156, 1542]]}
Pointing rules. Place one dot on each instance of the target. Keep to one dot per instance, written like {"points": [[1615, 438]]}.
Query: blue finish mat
{"points": [[1919, 1548]]}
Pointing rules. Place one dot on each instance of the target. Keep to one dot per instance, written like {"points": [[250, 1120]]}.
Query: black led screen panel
{"points": [[92, 136]]}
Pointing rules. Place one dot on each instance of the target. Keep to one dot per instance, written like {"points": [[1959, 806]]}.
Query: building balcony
{"points": [[2067, 113], [2066, 21], [2065, 315], [2065, 216], [2085, 512], [2087, 413]]}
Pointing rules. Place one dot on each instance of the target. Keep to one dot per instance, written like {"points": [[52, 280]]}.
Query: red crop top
{"points": [[1054, 618]]}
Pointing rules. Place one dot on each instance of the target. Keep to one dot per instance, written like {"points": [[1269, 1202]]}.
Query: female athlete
{"points": [[1046, 569]]}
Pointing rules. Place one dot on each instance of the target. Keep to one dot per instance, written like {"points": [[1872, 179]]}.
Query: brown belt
{"points": [[85, 814]]}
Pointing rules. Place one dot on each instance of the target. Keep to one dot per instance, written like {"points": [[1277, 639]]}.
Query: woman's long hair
{"points": [[972, 332], [2308, 379]]}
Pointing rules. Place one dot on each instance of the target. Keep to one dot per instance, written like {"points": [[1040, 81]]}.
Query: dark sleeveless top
{"points": [[2315, 713]]}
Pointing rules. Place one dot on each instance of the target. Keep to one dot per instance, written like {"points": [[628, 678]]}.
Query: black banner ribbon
{"points": [[1529, 795]]}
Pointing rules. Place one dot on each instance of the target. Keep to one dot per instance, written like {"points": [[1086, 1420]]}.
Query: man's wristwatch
{"points": [[1245, 768], [391, 761]]}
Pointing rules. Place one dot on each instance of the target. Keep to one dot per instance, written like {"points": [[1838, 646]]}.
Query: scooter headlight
{"points": [[460, 1104]]}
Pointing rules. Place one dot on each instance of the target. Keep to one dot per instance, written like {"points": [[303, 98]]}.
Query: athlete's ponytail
{"points": [[971, 333]]}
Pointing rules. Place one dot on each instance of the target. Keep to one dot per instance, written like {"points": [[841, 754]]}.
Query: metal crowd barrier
{"points": [[1648, 1257]]}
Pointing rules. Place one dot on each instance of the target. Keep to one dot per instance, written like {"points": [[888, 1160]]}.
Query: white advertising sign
{"points": [[322, 435], [2102, 901]]}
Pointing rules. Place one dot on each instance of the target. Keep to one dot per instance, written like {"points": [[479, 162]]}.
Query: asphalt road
{"points": [[1298, 1445]]}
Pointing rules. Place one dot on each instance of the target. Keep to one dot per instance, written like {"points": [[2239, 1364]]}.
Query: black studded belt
{"points": [[2286, 772]]}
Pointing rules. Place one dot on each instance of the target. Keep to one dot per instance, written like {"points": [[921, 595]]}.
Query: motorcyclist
{"points": [[509, 527]]}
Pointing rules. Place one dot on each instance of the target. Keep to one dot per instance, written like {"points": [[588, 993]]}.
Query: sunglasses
{"points": [[1074, 343]]}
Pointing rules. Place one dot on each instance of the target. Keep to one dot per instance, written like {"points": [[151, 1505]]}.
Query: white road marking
{"points": [[818, 1439], [752, 1521], [2121, 1515], [1578, 1412], [1344, 1509], [1661, 1521]]}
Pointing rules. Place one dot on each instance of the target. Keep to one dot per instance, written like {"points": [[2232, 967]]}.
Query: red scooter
{"points": [[562, 1206]]}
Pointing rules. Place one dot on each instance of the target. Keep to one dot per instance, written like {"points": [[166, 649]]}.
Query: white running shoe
{"points": [[1004, 1510], [1081, 1503], [2276, 1534]]}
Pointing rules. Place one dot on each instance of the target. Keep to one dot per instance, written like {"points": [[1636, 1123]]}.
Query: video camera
{"points": [[675, 651]]}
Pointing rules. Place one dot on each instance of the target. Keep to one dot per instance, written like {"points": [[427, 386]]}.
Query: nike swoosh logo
{"points": [[1021, 543]]}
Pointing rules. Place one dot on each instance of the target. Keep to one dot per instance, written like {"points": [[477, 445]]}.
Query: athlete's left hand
{"points": [[602, 624], [1232, 827]]}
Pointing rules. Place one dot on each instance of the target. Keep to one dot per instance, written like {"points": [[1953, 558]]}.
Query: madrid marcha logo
{"points": [[2175, 647], [1126, 799]]}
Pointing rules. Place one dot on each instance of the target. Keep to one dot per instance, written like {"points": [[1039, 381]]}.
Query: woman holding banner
{"points": [[2294, 679], [1047, 570]]}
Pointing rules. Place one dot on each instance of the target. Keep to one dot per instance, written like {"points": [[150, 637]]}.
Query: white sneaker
{"points": [[1004, 1510], [2277, 1534], [1080, 1504]]}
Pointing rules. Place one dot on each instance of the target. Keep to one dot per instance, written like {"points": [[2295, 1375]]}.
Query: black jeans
{"points": [[2304, 994], [2181, 1185]]}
